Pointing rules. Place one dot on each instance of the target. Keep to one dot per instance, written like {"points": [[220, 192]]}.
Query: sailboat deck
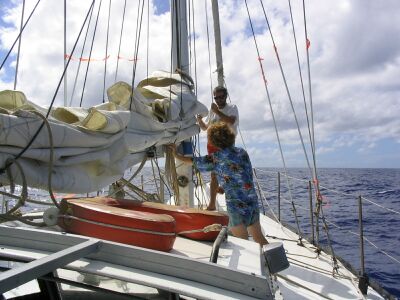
{"points": [[185, 271], [309, 274]]}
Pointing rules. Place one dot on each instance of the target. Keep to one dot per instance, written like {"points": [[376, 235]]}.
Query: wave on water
{"points": [[386, 192], [341, 190]]}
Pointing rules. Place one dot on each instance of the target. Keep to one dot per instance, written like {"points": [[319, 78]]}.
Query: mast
{"points": [[217, 38], [180, 59]]}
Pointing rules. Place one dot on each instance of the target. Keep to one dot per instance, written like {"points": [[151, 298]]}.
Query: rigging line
{"points": [[325, 226], [194, 49], [239, 129], [371, 243], [137, 43], [80, 60], [148, 40], [301, 76], [120, 40], [354, 195], [181, 66], [161, 176], [263, 197], [274, 121], [209, 54], [309, 87], [172, 40], [19, 45], [259, 189], [287, 88], [8, 164], [65, 53], [330, 190], [51, 157], [190, 38], [90, 53], [173, 10], [19, 35], [126, 181], [316, 182], [105, 61], [24, 190], [155, 179], [302, 286], [381, 206]]}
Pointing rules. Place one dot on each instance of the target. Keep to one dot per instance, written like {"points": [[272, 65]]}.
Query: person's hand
{"points": [[199, 118], [214, 108]]}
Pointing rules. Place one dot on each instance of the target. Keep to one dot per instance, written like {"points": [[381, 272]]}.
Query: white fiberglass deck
{"points": [[185, 271], [309, 275]]}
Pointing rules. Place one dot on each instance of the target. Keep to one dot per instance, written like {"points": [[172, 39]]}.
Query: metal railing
{"points": [[278, 193]]}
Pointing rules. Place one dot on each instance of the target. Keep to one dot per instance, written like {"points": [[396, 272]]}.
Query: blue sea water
{"points": [[340, 189]]}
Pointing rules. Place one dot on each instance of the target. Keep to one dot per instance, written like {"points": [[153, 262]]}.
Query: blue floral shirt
{"points": [[234, 172]]}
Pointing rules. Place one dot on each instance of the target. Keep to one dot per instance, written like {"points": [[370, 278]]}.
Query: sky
{"points": [[354, 66]]}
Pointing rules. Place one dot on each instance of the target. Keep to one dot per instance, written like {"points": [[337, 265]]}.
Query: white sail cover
{"points": [[93, 147]]}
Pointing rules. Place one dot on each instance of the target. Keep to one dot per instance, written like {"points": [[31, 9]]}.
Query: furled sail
{"points": [[93, 147]]}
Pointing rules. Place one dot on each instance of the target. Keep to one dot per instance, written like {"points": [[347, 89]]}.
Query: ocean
{"points": [[340, 189]]}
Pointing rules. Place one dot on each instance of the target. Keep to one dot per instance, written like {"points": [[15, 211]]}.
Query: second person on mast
{"points": [[227, 113]]}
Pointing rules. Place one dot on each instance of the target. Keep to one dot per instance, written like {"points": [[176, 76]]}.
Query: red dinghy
{"points": [[145, 224], [106, 219], [187, 219]]}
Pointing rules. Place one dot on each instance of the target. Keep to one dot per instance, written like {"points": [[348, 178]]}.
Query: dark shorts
{"points": [[235, 218]]}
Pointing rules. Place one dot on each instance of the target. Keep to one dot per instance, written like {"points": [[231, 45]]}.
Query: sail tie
{"points": [[212, 227]]}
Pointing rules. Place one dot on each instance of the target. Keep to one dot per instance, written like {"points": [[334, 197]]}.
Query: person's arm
{"points": [[202, 125], [201, 163], [223, 117]]}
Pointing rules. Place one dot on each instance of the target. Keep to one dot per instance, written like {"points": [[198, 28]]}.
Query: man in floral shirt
{"points": [[233, 169]]}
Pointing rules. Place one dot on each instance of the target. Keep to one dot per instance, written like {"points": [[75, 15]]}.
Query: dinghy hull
{"points": [[145, 224], [103, 218], [188, 219]]}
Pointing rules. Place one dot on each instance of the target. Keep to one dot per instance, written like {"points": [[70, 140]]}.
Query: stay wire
{"points": [[194, 49], [315, 181], [7, 165], [148, 40], [19, 46], [90, 53], [161, 176], [273, 118], [106, 56], [287, 87], [309, 87], [120, 40], [19, 35], [301, 78], [80, 60], [137, 43], [209, 52], [190, 37], [181, 66], [65, 53]]}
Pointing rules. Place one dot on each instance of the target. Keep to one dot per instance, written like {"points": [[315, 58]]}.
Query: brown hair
{"points": [[220, 89], [221, 135]]}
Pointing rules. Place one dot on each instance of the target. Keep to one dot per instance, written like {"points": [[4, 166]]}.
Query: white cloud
{"points": [[354, 56]]}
